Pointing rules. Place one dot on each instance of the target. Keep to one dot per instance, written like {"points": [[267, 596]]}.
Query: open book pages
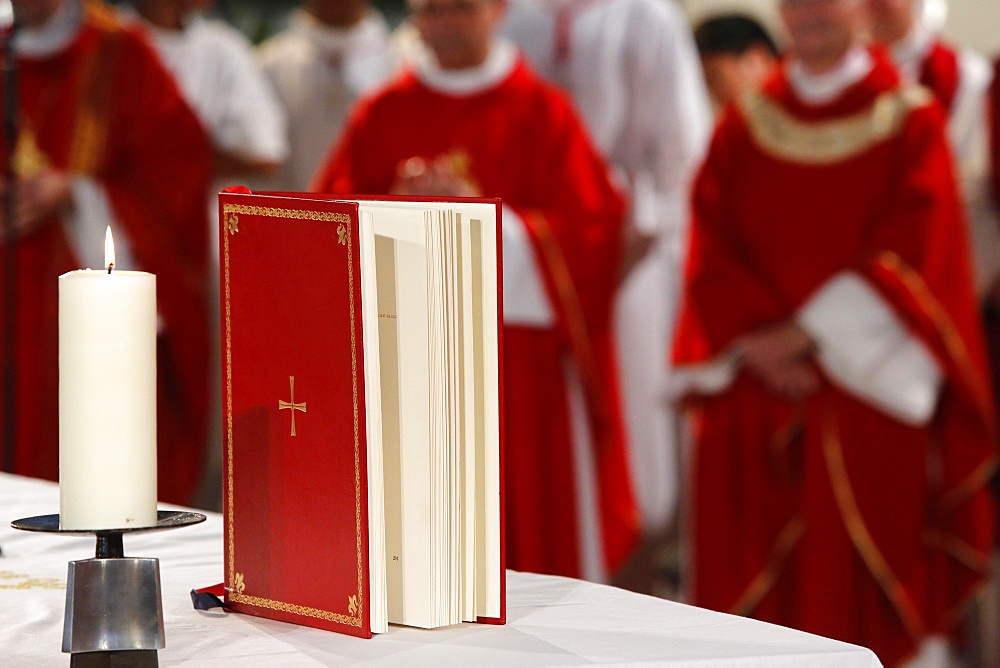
{"points": [[429, 280]]}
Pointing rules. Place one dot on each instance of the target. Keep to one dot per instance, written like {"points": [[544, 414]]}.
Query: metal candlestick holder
{"points": [[114, 610]]}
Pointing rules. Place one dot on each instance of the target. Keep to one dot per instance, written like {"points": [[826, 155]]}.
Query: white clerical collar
{"points": [[910, 52], [822, 88], [498, 65], [333, 40], [52, 37]]}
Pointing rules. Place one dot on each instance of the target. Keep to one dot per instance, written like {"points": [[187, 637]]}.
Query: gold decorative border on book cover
{"points": [[237, 586], [294, 214], [300, 610]]}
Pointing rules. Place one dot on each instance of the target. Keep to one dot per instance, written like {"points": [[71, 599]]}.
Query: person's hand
{"points": [[41, 197], [779, 357], [437, 178], [795, 382]]}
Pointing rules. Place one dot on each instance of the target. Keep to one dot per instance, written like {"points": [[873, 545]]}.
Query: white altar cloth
{"points": [[550, 620]]}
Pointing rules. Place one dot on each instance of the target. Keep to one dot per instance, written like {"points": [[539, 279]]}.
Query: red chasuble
{"points": [[520, 141], [105, 108], [830, 516]]}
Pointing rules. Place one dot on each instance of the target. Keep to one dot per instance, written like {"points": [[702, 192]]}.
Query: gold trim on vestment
{"points": [[768, 575], [857, 530], [28, 160], [101, 15], [979, 477], [782, 135], [960, 551], [91, 125], [959, 354]]}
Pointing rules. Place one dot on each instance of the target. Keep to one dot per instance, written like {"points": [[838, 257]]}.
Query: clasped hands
{"points": [[39, 198], [435, 178], [779, 356]]}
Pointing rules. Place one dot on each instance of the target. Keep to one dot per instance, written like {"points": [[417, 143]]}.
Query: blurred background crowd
{"points": [[751, 265]]}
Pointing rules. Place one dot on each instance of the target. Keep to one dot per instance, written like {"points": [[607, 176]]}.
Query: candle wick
{"points": [[111, 266]]}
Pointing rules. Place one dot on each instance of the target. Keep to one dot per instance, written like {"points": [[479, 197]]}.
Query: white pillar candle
{"points": [[107, 399]]}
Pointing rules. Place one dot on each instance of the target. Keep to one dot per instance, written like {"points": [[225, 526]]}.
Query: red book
{"points": [[362, 378]]}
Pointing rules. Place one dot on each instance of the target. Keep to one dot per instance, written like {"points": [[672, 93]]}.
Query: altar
{"points": [[550, 620]]}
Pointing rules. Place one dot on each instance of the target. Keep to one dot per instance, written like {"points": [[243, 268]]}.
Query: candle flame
{"points": [[109, 250]]}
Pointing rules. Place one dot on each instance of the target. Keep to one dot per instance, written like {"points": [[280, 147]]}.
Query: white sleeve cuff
{"points": [[86, 226], [867, 350], [525, 301]]}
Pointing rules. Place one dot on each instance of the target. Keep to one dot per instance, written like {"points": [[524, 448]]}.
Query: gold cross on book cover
{"points": [[383, 506], [291, 405]]}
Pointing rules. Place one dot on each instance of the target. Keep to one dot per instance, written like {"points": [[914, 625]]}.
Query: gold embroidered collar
{"points": [[785, 137]]}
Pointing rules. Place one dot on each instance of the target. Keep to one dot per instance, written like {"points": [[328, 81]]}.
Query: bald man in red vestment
{"points": [[470, 118], [834, 356], [106, 139]]}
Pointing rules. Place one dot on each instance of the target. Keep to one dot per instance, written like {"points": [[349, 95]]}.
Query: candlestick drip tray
{"points": [[165, 519]]}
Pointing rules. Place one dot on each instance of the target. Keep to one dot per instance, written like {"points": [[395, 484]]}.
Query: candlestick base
{"points": [[114, 610], [113, 605]]}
